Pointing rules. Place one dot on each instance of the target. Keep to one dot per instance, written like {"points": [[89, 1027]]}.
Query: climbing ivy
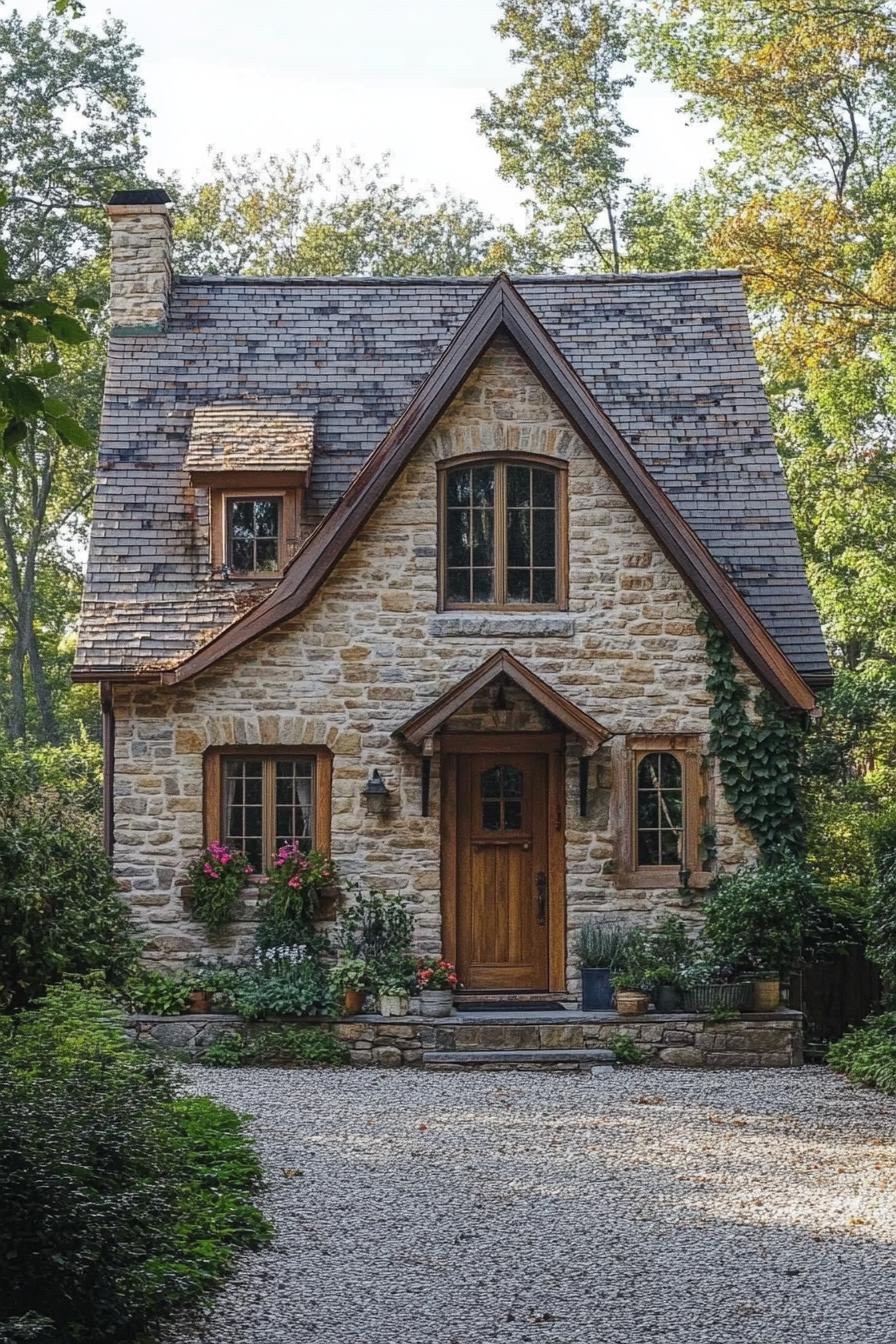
{"points": [[758, 756]]}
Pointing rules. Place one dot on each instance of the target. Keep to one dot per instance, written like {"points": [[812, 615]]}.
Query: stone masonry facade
{"points": [[372, 648]]}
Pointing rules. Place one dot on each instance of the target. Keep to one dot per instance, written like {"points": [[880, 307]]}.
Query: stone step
{"points": [[516, 1059]]}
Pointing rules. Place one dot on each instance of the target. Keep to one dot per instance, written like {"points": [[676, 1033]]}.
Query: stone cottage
{"points": [[411, 570]]}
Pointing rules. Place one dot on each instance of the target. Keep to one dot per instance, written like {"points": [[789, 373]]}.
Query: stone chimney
{"points": [[141, 261]]}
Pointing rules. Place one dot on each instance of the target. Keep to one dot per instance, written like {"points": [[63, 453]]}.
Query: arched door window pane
{"points": [[660, 810], [501, 538], [501, 795]]}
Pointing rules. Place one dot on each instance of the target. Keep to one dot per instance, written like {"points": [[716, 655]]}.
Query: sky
{"points": [[366, 76]]}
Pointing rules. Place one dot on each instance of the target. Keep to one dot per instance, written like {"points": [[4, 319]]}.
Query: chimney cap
{"points": [[148, 196]]}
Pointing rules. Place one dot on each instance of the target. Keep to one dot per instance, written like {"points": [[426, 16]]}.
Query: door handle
{"points": [[541, 896]]}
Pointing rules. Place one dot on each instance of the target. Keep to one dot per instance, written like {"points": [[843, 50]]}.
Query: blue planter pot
{"points": [[597, 992]]}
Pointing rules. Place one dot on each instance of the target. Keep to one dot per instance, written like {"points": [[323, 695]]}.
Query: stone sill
{"points": [[502, 625], [571, 1015]]}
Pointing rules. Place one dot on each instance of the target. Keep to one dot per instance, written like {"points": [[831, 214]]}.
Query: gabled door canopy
{"points": [[501, 308], [427, 722]]}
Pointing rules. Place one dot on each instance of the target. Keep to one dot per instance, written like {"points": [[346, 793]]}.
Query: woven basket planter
{"points": [[704, 998]]}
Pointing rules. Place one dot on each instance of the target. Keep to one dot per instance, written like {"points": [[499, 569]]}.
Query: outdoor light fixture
{"points": [[376, 796], [684, 885]]}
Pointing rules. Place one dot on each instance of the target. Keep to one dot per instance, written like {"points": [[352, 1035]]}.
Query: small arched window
{"points": [[502, 535], [660, 810]]}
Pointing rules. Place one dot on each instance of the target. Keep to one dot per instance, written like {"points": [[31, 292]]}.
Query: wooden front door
{"points": [[503, 870]]}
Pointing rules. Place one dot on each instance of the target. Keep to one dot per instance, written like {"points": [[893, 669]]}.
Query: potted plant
{"points": [[707, 987], [436, 982], [393, 998], [632, 998], [215, 882], [348, 980], [600, 950], [666, 983]]}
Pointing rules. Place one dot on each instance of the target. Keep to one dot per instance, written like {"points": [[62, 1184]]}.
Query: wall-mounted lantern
{"points": [[684, 886], [376, 796]]}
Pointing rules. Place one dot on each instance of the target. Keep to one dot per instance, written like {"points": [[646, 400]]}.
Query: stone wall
{"points": [[754, 1040], [371, 648]]}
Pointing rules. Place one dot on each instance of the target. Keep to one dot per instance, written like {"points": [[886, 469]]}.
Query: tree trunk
{"points": [[48, 726], [15, 709]]}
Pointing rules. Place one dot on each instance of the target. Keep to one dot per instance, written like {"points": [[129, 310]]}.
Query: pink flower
{"points": [[294, 881], [209, 870]]}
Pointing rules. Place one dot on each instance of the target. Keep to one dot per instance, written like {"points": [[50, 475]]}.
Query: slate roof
{"points": [[242, 436], [669, 358]]}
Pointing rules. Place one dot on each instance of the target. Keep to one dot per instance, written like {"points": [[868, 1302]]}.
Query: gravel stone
{"points": [[689, 1207]]}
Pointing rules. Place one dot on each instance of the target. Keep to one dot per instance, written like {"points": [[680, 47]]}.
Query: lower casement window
{"points": [[661, 804], [259, 798]]}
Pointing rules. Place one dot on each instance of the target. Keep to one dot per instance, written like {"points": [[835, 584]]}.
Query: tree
{"points": [[559, 132], [805, 98], [309, 214], [71, 116]]}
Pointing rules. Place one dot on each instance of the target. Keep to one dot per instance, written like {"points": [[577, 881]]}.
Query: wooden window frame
{"points": [[628, 752], [212, 801], [560, 469], [219, 500]]}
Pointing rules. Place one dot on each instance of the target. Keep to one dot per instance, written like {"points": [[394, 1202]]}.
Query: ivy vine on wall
{"points": [[758, 755]]}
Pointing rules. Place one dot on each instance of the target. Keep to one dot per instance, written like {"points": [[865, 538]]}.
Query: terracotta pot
{"points": [[631, 1002], [200, 1001], [436, 1002], [352, 1002], [766, 994]]}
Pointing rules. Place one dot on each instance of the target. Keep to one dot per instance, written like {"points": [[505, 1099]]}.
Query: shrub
{"points": [[59, 910], [216, 878], [120, 1201], [376, 928], [283, 1045], [625, 1050], [867, 1054], [758, 918], [165, 993]]}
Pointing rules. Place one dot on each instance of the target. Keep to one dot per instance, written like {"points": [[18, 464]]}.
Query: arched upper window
{"points": [[502, 535], [660, 810]]}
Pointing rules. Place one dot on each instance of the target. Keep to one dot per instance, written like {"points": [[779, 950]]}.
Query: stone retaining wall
{"points": [[754, 1040]]}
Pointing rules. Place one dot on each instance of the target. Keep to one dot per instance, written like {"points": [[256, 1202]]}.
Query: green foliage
{"points": [[558, 131], [625, 1050], [600, 944], [376, 927], [759, 918], [280, 981], [217, 878], [882, 923], [60, 913], [349, 974], [282, 1045], [313, 214], [758, 757], [867, 1054], [162, 993], [121, 1202]]}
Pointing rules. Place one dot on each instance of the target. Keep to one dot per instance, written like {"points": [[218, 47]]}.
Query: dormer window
{"points": [[253, 462], [254, 534], [503, 534]]}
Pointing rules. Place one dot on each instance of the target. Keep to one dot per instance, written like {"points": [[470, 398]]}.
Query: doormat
{"points": [[509, 1006]]}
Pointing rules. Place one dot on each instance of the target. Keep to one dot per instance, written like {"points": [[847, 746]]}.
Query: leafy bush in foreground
{"points": [[867, 1054], [59, 911], [120, 1200]]}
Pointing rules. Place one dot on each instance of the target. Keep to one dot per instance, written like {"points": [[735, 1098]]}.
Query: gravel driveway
{"points": [[630, 1206]]}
